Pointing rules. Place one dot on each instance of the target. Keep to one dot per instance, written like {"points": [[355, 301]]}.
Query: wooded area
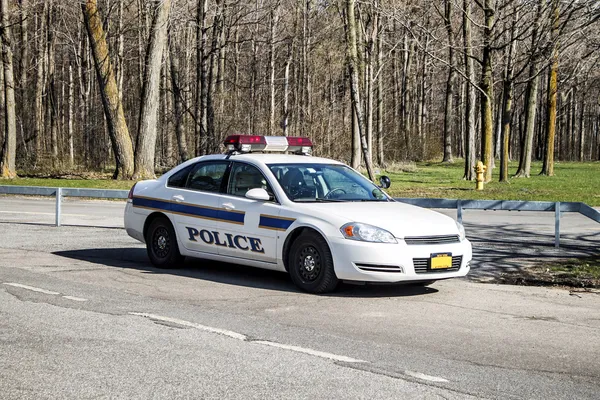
{"points": [[138, 86]]}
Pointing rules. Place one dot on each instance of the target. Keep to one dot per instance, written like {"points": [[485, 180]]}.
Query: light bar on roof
{"points": [[250, 143]]}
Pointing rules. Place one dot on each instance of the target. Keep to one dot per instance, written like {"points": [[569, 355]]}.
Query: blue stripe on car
{"points": [[191, 210], [270, 222]]}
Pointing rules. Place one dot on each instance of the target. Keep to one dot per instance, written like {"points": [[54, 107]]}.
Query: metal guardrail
{"points": [[459, 205], [510, 205], [59, 193]]}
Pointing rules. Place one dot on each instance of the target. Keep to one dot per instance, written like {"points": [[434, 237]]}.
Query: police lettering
{"points": [[232, 241]]}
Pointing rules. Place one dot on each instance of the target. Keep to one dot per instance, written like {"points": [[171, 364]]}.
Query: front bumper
{"points": [[383, 262]]}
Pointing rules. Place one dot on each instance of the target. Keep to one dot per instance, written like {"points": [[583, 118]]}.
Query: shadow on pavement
{"points": [[231, 274], [512, 248]]}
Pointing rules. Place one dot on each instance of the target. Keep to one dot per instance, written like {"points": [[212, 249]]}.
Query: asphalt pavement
{"points": [[84, 315]]}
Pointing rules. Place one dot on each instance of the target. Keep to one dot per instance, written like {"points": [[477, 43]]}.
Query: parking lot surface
{"points": [[85, 315]]}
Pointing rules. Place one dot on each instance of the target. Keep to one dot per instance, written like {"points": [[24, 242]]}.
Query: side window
{"points": [[207, 176], [245, 177], [179, 178]]}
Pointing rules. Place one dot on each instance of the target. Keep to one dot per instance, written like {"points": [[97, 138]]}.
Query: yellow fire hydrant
{"points": [[480, 170]]}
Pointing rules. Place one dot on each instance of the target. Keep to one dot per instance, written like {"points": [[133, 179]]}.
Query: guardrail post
{"points": [[58, 205], [459, 211], [557, 224]]}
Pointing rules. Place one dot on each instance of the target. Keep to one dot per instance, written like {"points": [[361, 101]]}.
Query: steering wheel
{"points": [[328, 195]]}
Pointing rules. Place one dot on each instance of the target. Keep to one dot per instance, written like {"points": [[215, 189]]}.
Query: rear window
{"points": [[179, 178]]}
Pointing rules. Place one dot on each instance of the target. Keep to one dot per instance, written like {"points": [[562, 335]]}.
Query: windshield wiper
{"points": [[322, 200], [318, 200], [378, 200]]}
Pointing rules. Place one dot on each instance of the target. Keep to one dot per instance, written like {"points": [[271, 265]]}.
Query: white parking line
{"points": [[40, 290], [74, 298], [32, 288], [244, 338], [219, 331], [424, 377], [311, 352]]}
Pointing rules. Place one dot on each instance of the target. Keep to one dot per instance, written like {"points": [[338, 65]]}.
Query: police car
{"points": [[267, 203]]}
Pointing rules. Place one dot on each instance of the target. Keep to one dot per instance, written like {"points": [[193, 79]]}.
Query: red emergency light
{"points": [[250, 143]]}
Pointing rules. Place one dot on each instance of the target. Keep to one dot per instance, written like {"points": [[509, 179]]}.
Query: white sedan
{"points": [[316, 218]]}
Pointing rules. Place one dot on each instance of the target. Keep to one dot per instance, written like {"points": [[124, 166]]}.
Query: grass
{"points": [[573, 181], [575, 273], [95, 183], [578, 268]]}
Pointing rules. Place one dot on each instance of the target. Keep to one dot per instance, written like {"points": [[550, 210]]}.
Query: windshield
{"points": [[325, 182]]}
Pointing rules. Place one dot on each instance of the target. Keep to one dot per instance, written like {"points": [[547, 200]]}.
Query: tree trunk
{"points": [[508, 99], [120, 64], [487, 98], [450, 85], [524, 170], [52, 97], [409, 46], [286, 91], [113, 109], [70, 119], [548, 167], [215, 50], [178, 101], [379, 65], [354, 87], [8, 168], [582, 143], [470, 98], [146, 140], [38, 129], [201, 83], [23, 67], [273, 23]]}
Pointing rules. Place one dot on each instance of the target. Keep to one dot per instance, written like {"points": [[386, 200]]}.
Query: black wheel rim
{"points": [[308, 264], [161, 242]]}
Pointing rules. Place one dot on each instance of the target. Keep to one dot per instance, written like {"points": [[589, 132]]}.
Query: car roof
{"points": [[273, 158]]}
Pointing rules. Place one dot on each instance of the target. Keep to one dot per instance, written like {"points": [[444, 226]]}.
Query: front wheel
{"points": [[311, 264], [161, 244]]}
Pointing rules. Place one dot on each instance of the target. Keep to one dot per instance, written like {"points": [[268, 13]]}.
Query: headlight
{"points": [[461, 231], [366, 233]]}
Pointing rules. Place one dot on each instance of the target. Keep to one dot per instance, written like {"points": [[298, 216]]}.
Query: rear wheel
{"points": [[161, 244], [310, 264]]}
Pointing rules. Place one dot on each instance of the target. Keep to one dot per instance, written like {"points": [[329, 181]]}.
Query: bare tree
{"points": [[146, 140], [450, 84], [470, 97], [354, 87], [548, 166], [8, 168], [113, 109]]}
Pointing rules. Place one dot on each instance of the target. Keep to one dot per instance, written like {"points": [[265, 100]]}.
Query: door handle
{"points": [[228, 206], [178, 198]]}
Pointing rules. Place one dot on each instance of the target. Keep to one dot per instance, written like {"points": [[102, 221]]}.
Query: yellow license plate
{"points": [[441, 261]]}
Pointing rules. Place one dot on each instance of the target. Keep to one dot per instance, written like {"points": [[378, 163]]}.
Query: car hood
{"points": [[400, 219]]}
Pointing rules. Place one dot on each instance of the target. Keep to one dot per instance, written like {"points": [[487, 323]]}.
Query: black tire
{"points": [[161, 244], [310, 264]]}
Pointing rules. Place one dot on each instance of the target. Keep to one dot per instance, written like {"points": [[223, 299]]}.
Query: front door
{"points": [[247, 238]]}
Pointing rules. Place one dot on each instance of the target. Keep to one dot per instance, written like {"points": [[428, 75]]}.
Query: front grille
{"points": [[379, 268], [422, 265], [411, 240]]}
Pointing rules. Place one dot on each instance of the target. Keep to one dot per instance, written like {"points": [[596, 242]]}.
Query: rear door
{"points": [[195, 205]]}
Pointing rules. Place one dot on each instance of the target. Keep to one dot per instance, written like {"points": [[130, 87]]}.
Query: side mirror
{"points": [[385, 182], [258, 194]]}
